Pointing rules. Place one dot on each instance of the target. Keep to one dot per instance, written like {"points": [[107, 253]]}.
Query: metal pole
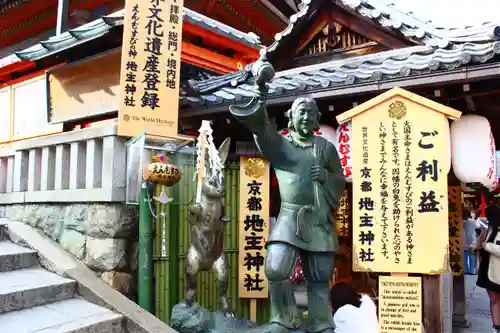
{"points": [[145, 271]]}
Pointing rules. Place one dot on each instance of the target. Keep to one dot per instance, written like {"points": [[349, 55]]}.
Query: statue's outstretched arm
{"points": [[253, 116]]}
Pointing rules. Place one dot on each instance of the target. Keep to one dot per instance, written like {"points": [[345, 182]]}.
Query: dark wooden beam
{"points": [[369, 30], [283, 56], [272, 8], [356, 51], [62, 16], [311, 32]]}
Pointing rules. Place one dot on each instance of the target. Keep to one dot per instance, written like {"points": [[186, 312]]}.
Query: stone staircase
{"points": [[33, 299]]}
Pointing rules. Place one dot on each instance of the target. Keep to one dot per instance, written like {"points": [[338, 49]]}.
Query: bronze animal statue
{"points": [[207, 222]]}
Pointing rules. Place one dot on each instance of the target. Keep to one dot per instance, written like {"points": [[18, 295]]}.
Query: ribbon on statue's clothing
{"points": [[303, 229]]}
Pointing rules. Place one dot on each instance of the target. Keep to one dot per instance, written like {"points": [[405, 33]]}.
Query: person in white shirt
{"points": [[352, 312]]}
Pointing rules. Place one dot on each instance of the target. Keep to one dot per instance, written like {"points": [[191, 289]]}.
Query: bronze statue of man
{"points": [[311, 185]]}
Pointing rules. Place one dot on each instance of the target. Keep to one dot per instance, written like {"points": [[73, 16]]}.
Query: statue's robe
{"points": [[305, 220]]}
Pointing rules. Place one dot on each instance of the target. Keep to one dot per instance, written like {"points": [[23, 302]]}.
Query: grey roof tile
{"points": [[99, 27], [374, 67], [250, 39], [66, 40]]}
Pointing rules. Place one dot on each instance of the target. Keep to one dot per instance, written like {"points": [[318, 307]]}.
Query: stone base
{"points": [[197, 319]]}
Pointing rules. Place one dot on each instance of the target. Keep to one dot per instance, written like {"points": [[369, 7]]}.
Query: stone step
{"points": [[69, 316], [13, 257], [25, 288]]}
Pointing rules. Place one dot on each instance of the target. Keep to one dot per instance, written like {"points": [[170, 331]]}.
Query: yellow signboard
{"points": [[455, 230], [151, 63], [400, 304], [400, 190], [253, 227]]}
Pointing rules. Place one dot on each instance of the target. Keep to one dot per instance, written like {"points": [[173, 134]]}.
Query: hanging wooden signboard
{"points": [[150, 67]]}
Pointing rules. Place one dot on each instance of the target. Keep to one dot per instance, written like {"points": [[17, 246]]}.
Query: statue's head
{"points": [[304, 116]]}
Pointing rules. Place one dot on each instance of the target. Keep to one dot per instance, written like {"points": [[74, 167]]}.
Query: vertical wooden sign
{"points": [[400, 190], [253, 230], [253, 227], [342, 216], [455, 225], [151, 62]]}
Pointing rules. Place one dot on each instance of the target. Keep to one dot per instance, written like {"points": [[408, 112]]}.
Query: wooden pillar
{"points": [[62, 16], [433, 307], [459, 302]]}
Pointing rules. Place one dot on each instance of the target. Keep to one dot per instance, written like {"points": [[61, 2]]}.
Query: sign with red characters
{"points": [[344, 148], [492, 178]]}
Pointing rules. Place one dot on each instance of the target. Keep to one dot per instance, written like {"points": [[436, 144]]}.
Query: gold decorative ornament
{"points": [[397, 110], [160, 172], [255, 168]]}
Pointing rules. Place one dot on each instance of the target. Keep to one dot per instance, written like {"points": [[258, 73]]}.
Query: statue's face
{"points": [[305, 119]]}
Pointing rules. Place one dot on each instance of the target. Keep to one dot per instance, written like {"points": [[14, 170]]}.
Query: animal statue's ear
{"points": [[224, 150]]}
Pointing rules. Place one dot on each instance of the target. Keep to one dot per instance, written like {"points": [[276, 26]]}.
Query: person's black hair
{"points": [[492, 213], [342, 294]]}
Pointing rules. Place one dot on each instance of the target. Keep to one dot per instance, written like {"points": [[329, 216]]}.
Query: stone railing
{"points": [[87, 165]]}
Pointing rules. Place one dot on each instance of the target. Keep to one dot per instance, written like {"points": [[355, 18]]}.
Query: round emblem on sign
{"points": [[397, 110], [255, 168]]}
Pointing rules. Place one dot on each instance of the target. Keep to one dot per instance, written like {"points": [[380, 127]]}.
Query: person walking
{"points": [[488, 244], [470, 224]]}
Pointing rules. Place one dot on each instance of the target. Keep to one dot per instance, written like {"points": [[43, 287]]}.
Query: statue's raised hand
{"points": [[263, 71], [318, 174]]}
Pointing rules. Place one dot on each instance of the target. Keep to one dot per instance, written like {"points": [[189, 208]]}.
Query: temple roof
{"points": [[388, 15], [438, 49], [387, 65], [102, 26]]}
